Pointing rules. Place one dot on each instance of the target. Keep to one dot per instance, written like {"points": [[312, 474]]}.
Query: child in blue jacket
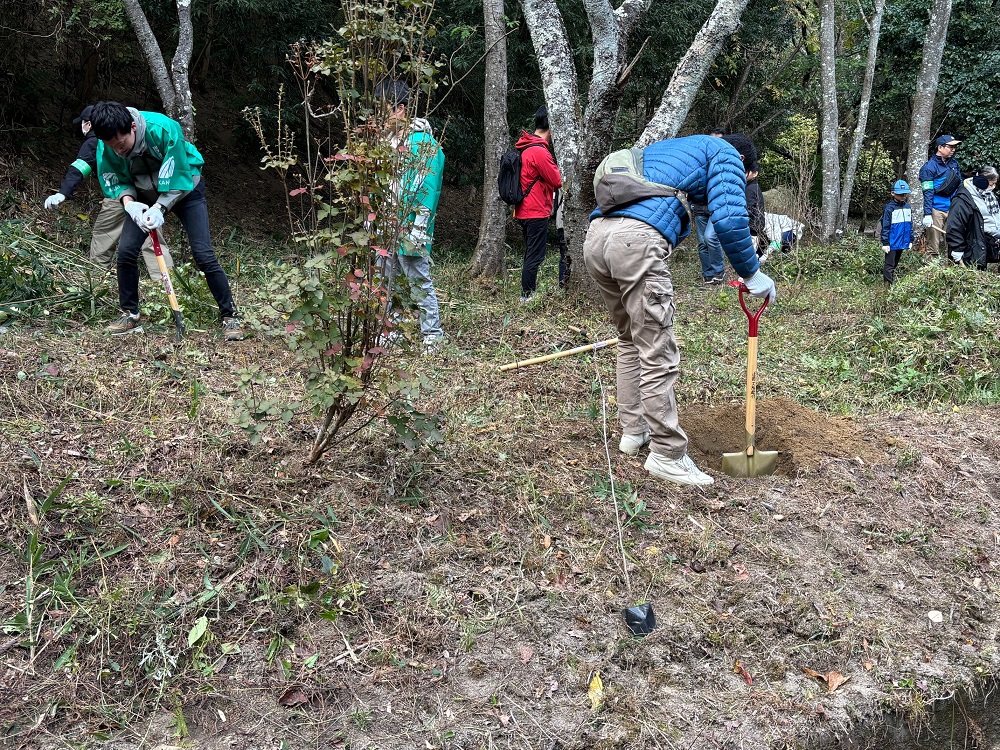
{"points": [[897, 229]]}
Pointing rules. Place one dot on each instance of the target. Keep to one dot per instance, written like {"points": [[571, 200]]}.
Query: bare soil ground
{"points": [[469, 597]]}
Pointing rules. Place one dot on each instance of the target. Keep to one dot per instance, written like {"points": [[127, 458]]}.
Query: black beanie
{"points": [[980, 182]]}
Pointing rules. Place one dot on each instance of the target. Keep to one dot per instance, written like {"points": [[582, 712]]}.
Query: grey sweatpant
{"points": [[628, 260], [417, 270], [104, 242]]}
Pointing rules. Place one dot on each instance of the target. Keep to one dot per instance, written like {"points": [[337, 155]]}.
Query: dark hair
{"points": [[393, 92], [542, 118], [718, 131], [109, 119], [742, 143]]}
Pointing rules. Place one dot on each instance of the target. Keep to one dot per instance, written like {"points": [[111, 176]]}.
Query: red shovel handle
{"points": [[753, 317]]}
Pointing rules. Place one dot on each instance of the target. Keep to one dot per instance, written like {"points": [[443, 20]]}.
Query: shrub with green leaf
{"points": [[335, 304]]}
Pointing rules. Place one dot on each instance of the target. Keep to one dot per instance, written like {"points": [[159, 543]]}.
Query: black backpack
{"points": [[509, 176]]}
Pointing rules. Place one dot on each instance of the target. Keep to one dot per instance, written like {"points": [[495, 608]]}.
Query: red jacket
{"points": [[537, 164]]}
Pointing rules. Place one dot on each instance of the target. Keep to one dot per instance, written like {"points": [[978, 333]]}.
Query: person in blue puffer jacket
{"points": [[626, 253]]}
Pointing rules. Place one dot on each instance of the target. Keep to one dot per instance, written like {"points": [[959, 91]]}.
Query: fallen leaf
{"points": [[546, 541], [198, 630], [596, 691], [740, 572], [834, 680], [814, 673], [526, 653], [739, 669], [868, 666], [292, 697], [52, 370]]}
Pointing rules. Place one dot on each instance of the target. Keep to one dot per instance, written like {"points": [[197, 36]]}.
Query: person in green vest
{"points": [[418, 190], [149, 166], [111, 218]]}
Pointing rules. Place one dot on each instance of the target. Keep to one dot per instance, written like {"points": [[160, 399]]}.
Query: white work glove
{"points": [[886, 249], [928, 220], [54, 200], [910, 246], [957, 256], [761, 285], [152, 218], [135, 209]]}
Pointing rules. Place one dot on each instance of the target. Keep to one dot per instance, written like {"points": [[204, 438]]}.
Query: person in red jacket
{"points": [[539, 179]]}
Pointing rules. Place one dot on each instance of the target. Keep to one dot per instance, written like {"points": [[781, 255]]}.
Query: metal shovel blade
{"points": [[750, 462]]}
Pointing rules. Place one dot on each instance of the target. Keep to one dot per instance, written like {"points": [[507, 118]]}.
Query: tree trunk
{"points": [[691, 71], [866, 95], [923, 105], [488, 260], [172, 85], [562, 97], [581, 141], [831, 121], [179, 69]]}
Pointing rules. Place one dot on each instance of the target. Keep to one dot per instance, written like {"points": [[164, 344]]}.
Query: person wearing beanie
{"points": [[540, 178], [111, 217], [897, 228], [974, 202], [940, 177]]}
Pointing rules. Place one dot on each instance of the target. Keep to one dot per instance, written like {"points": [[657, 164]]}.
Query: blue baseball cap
{"points": [[947, 140], [901, 187]]}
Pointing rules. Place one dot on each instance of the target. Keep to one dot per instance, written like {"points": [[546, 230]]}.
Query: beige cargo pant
{"points": [[628, 260], [104, 242], [936, 243]]}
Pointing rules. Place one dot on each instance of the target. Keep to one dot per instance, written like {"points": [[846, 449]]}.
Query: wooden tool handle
{"points": [[751, 392], [576, 350]]}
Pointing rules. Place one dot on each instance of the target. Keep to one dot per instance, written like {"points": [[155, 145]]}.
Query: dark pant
{"points": [[891, 261], [193, 213], [565, 262], [536, 236]]}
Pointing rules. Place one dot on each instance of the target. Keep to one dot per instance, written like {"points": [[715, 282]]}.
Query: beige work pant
{"points": [[628, 260], [104, 242], [936, 243]]}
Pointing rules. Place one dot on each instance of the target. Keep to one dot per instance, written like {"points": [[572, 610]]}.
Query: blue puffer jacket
{"points": [[711, 172]]}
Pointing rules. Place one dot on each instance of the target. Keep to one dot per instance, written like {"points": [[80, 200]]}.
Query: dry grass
{"points": [[465, 598]]}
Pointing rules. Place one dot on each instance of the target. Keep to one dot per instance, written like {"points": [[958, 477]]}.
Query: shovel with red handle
{"points": [[167, 286], [750, 462]]}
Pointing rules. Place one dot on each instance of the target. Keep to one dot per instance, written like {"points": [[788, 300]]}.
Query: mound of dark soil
{"points": [[803, 437]]}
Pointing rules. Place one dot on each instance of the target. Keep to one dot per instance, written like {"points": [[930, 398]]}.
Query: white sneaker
{"points": [[679, 471], [630, 445], [433, 342]]}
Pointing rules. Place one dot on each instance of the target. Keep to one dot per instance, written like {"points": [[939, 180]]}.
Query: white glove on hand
{"points": [[54, 200], [135, 209], [761, 285], [886, 249], [928, 220], [957, 256], [153, 218]]}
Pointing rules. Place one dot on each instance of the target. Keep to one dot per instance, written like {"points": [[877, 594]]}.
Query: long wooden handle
{"points": [[576, 350], [751, 392], [167, 286]]}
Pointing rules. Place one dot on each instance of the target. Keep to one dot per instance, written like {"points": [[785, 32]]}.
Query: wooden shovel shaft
{"points": [[164, 274], [751, 392], [576, 350]]}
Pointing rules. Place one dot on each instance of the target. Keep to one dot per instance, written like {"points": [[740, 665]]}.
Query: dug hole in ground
{"points": [[190, 589]]}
